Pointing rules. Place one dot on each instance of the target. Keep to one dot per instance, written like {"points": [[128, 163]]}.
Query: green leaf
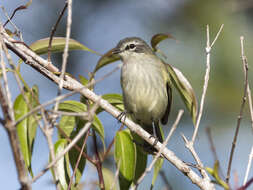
{"points": [[109, 179], [73, 157], [157, 168], [83, 80], [156, 39], [61, 164], [141, 163], [115, 99], [78, 107], [67, 124], [58, 44], [215, 173], [185, 90], [125, 157], [106, 59], [72, 106], [26, 129]]}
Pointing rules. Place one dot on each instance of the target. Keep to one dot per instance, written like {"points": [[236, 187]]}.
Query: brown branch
{"points": [[78, 160], [98, 162], [245, 66], [54, 30]]}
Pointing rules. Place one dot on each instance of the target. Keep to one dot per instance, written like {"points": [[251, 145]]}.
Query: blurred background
{"points": [[100, 24]]}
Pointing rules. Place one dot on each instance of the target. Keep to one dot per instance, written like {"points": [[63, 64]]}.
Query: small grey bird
{"points": [[146, 85]]}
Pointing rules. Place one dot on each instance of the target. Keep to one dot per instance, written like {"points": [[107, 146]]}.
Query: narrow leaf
{"points": [[60, 165], [185, 90], [26, 129], [156, 39], [114, 99], [141, 162], [106, 59], [110, 183], [157, 168], [125, 157], [78, 107], [58, 44]]}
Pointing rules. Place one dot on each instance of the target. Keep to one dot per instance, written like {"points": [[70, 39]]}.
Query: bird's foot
{"points": [[121, 116], [156, 139]]}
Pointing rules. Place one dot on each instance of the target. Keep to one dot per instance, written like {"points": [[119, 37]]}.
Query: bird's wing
{"points": [[164, 119]]}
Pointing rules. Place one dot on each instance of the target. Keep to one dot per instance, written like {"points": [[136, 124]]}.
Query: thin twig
{"points": [[75, 146], [54, 30], [116, 176], [98, 162], [245, 66], [78, 161], [190, 144], [148, 169], [208, 53], [70, 145], [213, 149], [110, 145], [248, 166]]}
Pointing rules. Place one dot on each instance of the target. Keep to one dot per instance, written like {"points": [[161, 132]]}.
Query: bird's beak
{"points": [[115, 50]]}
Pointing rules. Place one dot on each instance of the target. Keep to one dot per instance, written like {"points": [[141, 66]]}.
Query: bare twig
{"points": [[54, 30], [190, 144], [245, 66], [208, 53], [116, 176], [248, 166], [72, 143], [78, 161], [98, 162], [148, 169]]}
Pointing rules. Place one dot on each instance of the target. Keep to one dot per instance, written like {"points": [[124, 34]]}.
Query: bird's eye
{"points": [[132, 46]]}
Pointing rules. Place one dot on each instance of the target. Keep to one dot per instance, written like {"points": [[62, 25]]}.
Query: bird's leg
{"points": [[154, 134]]}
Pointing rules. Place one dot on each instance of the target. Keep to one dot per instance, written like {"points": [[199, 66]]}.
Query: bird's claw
{"points": [[121, 116]]}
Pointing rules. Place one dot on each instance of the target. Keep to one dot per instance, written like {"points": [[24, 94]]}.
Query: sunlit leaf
{"points": [[26, 129], [60, 165], [106, 59], [110, 183], [83, 80], [156, 39], [185, 90], [157, 167], [58, 44], [114, 99], [125, 157], [215, 173], [78, 107]]}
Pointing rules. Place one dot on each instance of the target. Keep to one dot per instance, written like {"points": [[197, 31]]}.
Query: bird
{"points": [[146, 85]]}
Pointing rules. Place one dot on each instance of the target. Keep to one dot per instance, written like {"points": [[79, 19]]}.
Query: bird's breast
{"points": [[144, 90]]}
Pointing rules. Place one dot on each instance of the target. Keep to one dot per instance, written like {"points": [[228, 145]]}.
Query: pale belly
{"points": [[145, 94]]}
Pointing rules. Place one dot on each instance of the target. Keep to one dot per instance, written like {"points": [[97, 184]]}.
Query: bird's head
{"points": [[133, 46]]}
